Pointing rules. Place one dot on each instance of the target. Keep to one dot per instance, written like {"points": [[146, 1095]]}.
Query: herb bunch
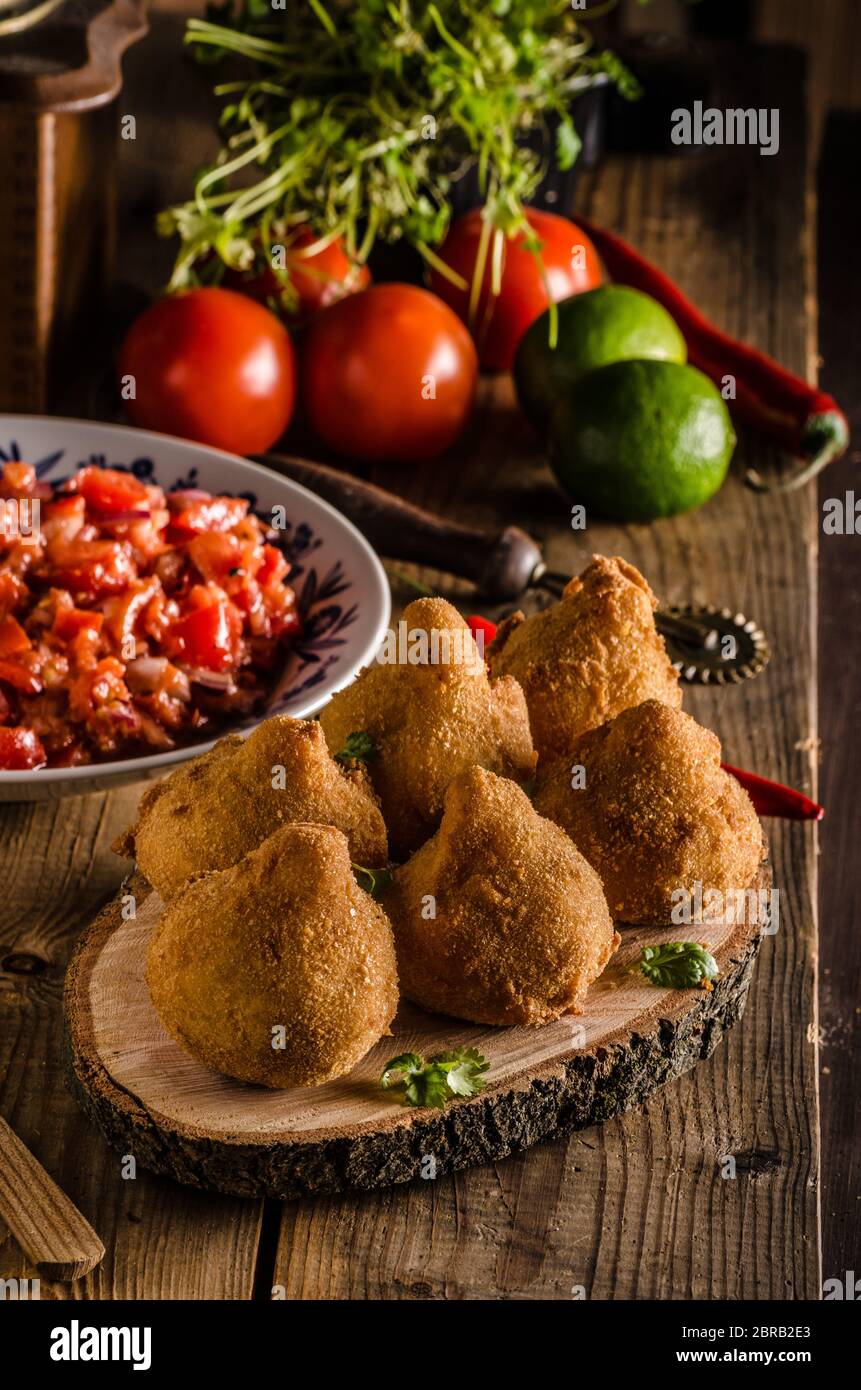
{"points": [[356, 115]]}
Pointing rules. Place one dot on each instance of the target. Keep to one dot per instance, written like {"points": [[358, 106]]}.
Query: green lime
{"points": [[610, 324], [638, 440]]}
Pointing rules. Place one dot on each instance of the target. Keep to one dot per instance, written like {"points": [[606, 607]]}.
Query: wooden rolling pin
{"points": [[47, 1225]]}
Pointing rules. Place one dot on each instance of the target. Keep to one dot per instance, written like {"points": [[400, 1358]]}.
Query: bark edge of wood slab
{"points": [[544, 1101]]}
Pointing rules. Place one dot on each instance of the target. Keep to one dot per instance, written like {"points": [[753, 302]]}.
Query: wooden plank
{"points": [[184, 1120], [638, 1208], [162, 1241], [634, 1208], [830, 34], [840, 703]]}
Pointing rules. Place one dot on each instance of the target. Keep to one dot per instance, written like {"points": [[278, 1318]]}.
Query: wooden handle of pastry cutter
{"points": [[47, 1225], [501, 563]]}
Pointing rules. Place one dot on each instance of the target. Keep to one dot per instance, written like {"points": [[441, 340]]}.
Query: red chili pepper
{"points": [[773, 799], [782, 406], [482, 626]]}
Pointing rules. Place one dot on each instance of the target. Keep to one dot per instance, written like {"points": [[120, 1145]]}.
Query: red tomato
{"points": [[570, 265], [316, 281], [13, 591], [91, 567], [215, 555], [388, 374], [18, 480], [16, 675], [110, 491], [273, 569], [13, 638], [20, 750], [213, 366], [70, 621], [191, 516], [209, 635]]}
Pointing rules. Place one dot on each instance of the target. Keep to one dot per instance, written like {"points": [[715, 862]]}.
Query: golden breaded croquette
{"points": [[498, 919], [212, 811], [587, 657], [656, 814], [279, 970], [429, 719]]}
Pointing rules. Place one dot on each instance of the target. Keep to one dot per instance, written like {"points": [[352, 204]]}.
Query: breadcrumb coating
{"points": [[520, 926], [429, 722], [214, 810], [587, 657], [657, 814], [284, 940]]}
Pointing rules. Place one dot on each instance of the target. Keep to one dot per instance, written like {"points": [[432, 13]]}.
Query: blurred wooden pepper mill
{"points": [[59, 79]]}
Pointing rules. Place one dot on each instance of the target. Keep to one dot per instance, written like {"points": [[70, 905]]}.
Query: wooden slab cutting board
{"points": [[178, 1118]]}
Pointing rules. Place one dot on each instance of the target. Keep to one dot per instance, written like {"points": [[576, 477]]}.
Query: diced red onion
{"points": [[146, 670], [213, 680]]}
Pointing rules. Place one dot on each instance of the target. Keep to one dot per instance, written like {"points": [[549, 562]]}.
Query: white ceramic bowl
{"points": [[341, 587]]}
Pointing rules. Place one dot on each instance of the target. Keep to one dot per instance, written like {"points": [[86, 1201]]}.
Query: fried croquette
{"points": [[279, 970], [498, 919], [587, 657], [655, 814], [429, 719], [212, 811]]}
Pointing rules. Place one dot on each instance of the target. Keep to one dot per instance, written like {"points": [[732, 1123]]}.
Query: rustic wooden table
{"points": [[637, 1208]]}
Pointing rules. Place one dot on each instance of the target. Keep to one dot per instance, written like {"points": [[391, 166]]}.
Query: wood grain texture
{"points": [[58, 868], [50, 1230], [161, 1242], [840, 700], [183, 1120], [830, 34], [638, 1208], [90, 45], [59, 172]]}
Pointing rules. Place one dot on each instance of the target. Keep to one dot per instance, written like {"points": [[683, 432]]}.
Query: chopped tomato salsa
{"points": [[134, 620]]}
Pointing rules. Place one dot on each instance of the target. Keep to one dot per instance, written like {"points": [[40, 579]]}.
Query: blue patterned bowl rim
{"points": [[341, 587]]}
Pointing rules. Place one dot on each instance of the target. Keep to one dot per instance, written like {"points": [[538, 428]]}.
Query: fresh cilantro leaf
{"points": [[373, 880], [358, 747], [465, 1066], [398, 1069], [678, 964], [430, 1088], [434, 1083]]}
